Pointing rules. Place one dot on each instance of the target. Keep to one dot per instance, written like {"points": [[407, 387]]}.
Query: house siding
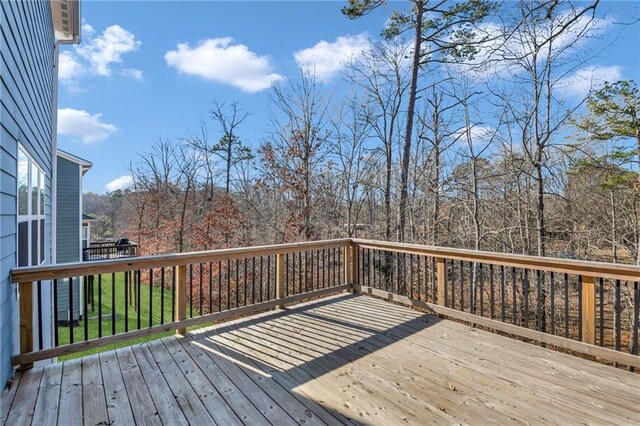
{"points": [[26, 117], [68, 226]]}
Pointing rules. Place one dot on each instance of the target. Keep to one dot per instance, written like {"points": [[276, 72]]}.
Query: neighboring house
{"points": [[30, 33], [69, 228]]}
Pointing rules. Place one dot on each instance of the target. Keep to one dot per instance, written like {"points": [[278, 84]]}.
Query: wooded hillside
{"points": [[461, 129]]}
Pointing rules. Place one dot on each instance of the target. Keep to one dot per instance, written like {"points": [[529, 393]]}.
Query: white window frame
{"points": [[30, 216]]}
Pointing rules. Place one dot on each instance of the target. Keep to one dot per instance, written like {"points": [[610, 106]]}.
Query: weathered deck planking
{"points": [[346, 359]]}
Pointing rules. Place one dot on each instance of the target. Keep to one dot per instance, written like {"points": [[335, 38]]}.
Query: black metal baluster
{"points": [[162, 295], [580, 307], [136, 305], [246, 283], [472, 295], [113, 303], [237, 282], [492, 292], [411, 274], [200, 287], [552, 302], [126, 301], [636, 309], [85, 312], [173, 295], [502, 294], [150, 297], [538, 300], [601, 312], [300, 273], [368, 267], [191, 290], [269, 278], [332, 282], [462, 286], [55, 313], [210, 287], [39, 304], [453, 284], [99, 305], [526, 297], [311, 269], [306, 271], [286, 274], [481, 282], [359, 273], [253, 280], [514, 294], [293, 273], [392, 270], [566, 305], [617, 314], [317, 271], [260, 284], [219, 285], [228, 273], [434, 284], [396, 263], [324, 268]]}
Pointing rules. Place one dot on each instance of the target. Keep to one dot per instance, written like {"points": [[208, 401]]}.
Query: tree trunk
{"points": [[406, 152]]}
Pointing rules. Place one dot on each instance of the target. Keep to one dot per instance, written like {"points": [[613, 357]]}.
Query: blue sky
{"points": [[129, 82]]}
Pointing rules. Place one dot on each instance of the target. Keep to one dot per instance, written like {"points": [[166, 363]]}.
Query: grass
{"points": [[131, 313]]}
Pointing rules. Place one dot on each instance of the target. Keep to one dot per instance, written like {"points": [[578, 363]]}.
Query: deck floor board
{"points": [[340, 360]]}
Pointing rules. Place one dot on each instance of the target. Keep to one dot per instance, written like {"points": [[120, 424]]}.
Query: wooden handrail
{"points": [[576, 267], [78, 269]]}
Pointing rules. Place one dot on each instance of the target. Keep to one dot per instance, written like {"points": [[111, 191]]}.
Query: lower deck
{"points": [[345, 359]]}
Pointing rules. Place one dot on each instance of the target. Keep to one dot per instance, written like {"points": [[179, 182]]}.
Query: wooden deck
{"points": [[346, 359]]}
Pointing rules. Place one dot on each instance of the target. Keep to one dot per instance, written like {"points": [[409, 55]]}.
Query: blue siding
{"points": [[26, 117]]}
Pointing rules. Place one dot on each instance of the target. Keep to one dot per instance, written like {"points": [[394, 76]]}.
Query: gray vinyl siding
{"points": [[26, 117], [68, 226], [68, 212]]}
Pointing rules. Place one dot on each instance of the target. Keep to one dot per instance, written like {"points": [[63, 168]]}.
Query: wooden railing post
{"points": [[347, 263], [589, 310], [441, 272], [280, 265], [181, 296], [26, 320]]}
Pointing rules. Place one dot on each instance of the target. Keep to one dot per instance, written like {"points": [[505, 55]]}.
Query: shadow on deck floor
{"points": [[345, 359]]}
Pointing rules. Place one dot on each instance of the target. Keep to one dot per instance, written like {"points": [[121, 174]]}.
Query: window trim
{"points": [[30, 217]]}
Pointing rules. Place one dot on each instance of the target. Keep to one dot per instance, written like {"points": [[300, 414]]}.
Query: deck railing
{"points": [[589, 308], [147, 295], [109, 250]]}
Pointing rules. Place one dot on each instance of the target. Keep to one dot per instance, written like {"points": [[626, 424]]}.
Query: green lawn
{"points": [[132, 314]]}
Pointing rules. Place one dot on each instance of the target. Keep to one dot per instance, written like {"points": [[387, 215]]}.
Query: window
{"points": [[31, 180], [85, 235]]}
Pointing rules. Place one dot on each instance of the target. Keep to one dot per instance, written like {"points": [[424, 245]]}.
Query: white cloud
{"points": [[97, 54], [478, 135], [84, 126], [68, 66], [221, 60], [87, 30], [134, 73], [501, 56], [584, 80], [108, 48], [327, 59], [123, 182]]}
